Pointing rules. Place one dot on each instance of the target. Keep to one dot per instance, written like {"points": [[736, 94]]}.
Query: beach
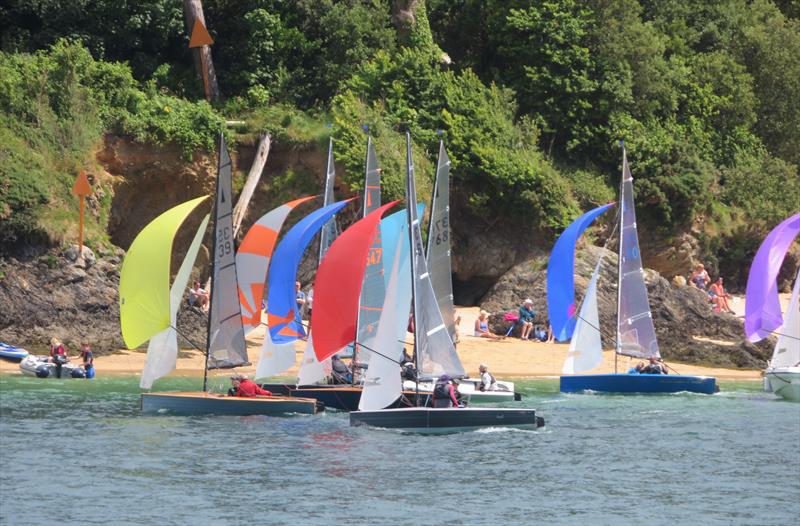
{"points": [[509, 358]]}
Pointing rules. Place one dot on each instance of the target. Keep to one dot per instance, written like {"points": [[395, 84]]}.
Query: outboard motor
{"points": [[78, 372], [42, 371]]}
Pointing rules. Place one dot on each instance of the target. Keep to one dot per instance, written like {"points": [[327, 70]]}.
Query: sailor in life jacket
{"points": [[444, 393], [488, 383]]}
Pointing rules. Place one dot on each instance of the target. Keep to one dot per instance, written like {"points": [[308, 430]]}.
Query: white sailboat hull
{"points": [[784, 382], [468, 387]]}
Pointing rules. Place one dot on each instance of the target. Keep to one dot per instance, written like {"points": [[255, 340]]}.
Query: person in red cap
{"points": [[246, 388]]}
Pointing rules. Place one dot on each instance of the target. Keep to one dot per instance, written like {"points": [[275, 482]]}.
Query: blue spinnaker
{"points": [[283, 316], [561, 275]]}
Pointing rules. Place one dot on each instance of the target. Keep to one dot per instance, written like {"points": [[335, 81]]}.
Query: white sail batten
{"points": [[636, 335], [787, 350], [586, 348], [162, 351]]}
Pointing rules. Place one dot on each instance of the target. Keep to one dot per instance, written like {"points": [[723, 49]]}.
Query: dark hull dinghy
{"points": [[341, 397], [428, 420], [204, 403]]}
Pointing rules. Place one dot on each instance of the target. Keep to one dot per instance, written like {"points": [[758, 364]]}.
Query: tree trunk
{"points": [[410, 17], [252, 181], [193, 10]]}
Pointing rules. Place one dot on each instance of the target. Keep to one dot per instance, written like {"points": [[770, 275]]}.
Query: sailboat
{"points": [[438, 259], [763, 311], [148, 309], [382, 384], [344, 396], [635, 333]]}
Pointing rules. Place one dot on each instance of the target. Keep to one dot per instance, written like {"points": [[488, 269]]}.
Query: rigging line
{"points": [[192, 343], [379, 354], [776, 333]]}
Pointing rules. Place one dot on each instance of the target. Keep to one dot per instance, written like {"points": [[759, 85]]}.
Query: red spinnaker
{"points": [[337, 287]]}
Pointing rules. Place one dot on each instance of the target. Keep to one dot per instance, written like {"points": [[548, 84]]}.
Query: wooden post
{"points": [[81, 188]]}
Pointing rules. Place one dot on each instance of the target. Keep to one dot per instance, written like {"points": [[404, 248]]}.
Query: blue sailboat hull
{"points": [[638, 383]]}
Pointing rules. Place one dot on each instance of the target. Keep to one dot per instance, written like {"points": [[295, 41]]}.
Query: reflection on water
{"points": [[602, 459]]}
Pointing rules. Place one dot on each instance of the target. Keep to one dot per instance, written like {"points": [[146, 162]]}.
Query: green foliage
{"points": [[494, 159], [54, 107]]}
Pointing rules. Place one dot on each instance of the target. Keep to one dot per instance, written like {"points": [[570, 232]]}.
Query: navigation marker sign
{"points": [[81, 188]]}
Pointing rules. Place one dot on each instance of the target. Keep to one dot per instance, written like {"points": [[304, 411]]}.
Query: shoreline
{"points": [[510, 358]]}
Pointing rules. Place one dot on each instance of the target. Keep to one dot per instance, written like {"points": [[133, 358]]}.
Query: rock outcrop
{"points": [[687, 328]]}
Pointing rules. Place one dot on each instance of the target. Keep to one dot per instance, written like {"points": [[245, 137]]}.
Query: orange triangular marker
{"points": [[200, 36], [82, 186]]}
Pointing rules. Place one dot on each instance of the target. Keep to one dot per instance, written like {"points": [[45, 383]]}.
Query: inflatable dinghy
{"points": [[39, 367], [9, 352]]}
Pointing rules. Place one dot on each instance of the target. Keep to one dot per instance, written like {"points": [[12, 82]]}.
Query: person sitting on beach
{"points": [[198, 297], [88, 360], [550, 337], [482, 327], [719, 297], [637, 369], [340, 371], [444, 393], [457, 327], [488, 383], [700, 277], [526, 316], [246, 388]]}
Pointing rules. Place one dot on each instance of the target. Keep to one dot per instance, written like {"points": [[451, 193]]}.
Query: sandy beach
{"points": [[509, 358]]}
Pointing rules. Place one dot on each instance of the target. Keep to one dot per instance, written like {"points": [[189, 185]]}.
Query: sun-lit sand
{"points": [[507, 358]]}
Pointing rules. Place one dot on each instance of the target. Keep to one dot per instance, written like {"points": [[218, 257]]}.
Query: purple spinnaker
{"points": [[762, 307]]}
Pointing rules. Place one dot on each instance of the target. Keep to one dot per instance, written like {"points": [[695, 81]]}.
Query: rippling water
{"points": [[80, 452]]}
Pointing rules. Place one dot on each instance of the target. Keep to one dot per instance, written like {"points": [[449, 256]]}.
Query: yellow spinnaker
{"points": [[144, 279]]}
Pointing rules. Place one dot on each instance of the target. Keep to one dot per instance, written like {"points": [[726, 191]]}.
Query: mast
{"points": [[411, 208], [363, 214], [619, 258], [213, 264], [327, 198], [433, 201]]}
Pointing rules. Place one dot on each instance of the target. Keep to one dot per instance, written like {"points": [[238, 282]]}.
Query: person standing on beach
{"points": [[88, 360]]}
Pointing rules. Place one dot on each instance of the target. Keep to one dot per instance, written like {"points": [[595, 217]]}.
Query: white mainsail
{"points": [[787, 350], [636, 335], [434, 347], [438, 253], [162, 351], [586, 348]]}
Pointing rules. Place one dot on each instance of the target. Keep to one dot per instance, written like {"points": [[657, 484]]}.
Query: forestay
{"points": [[436, 354], [636, 335], [252, 261], [162, 352], [438, 253], [144, 293], [283, 316], [763, 308], [226, 345]]}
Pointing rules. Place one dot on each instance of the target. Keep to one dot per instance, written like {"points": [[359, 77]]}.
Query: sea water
{"points": [[80, 452]]}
